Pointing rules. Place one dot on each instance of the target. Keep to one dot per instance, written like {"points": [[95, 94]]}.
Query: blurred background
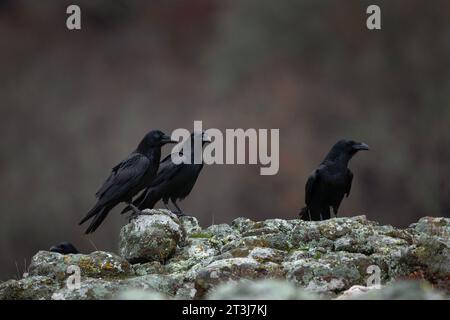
{"points": [[75, 103]]}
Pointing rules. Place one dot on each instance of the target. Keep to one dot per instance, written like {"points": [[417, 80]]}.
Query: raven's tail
{"points": [[99, 213], [96, 209], [98, 220], [305, 214]]}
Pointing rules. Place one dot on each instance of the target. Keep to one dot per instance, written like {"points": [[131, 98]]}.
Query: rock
{"points": [[403, 290], [221, 234], [260, 290], [90, 289], [151, 237], [241, 224], [187, 291], [266, 255], [190, 225], [136, 294], [432, 226], [163, 256], [196, 251], [328, 273], [29, 288], [430, 254], [234, 269], [98, 264], [166, 284], [99, 289], [355, 292], [143, 269]]}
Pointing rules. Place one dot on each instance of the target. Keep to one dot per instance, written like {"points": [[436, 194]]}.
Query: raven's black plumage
{"points": [[128, 177], [173, 181], [330, 182], [64, 248]]}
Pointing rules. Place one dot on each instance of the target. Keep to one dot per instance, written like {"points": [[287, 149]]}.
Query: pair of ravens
{"points": [[143, 171]]}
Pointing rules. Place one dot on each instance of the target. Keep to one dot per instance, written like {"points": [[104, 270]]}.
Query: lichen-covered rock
{"points": [[97, 264], [196, 251], [153, 236], [267, 255], [167, 284], [90, 289], [430, 254], [173, 257], [28, 288], [329, 273], [95, 289], [190, 225], [186, 291], [241, 224], [356, 292], [137, 294], [433, 226], [152, 267], [260, 290], [234, 269], [403, 290]]}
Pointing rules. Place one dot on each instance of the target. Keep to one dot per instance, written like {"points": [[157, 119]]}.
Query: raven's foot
{"points": [[136, 213], [132, 217], [179, 213]]}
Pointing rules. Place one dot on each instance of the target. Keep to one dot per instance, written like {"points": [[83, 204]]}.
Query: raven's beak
{"points": [[361, 146], [166, 139]]}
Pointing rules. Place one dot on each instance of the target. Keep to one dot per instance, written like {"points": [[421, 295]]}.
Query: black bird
{"points": [[173, 181], [64, 248], [328, 184], [128, 178]]}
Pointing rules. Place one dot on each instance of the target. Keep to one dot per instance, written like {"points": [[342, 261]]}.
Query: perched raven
{"points": [[64, 248], [173, 181], [129, 177], [328, 184]]}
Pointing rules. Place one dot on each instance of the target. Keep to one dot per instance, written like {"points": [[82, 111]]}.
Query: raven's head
{"points": [[345, 149], [155, 138], [64, 248], [350, 147]]}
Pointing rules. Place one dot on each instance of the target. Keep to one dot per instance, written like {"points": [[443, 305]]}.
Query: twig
{"points": [[93, 244]]}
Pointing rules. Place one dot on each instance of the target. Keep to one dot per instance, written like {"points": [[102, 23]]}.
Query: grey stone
{"points": [[151, 237]]}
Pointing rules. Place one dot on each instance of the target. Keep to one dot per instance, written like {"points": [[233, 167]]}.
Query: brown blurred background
{"points": [[74, 103]]}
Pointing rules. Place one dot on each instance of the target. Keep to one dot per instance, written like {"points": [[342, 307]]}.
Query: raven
{"points": [[328, 184], [173, 181], [64, 248], [128, 178]]}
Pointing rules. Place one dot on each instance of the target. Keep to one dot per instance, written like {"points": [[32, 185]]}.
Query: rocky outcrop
{"points": [[160, 232], [166, 257]]}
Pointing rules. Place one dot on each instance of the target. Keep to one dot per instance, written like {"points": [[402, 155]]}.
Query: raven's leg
{"points": [[136, 212], [180, 212], [335, 211], [325, 213], [166, 204], [305, 214]]}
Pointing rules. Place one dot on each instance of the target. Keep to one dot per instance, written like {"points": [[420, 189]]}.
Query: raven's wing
{"points": [[107, 183], [167, 169], [124, 176], [147, 199], [348, 182], [311, 186]]}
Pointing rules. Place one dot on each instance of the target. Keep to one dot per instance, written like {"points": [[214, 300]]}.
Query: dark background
{"points": [[74, 103]]}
